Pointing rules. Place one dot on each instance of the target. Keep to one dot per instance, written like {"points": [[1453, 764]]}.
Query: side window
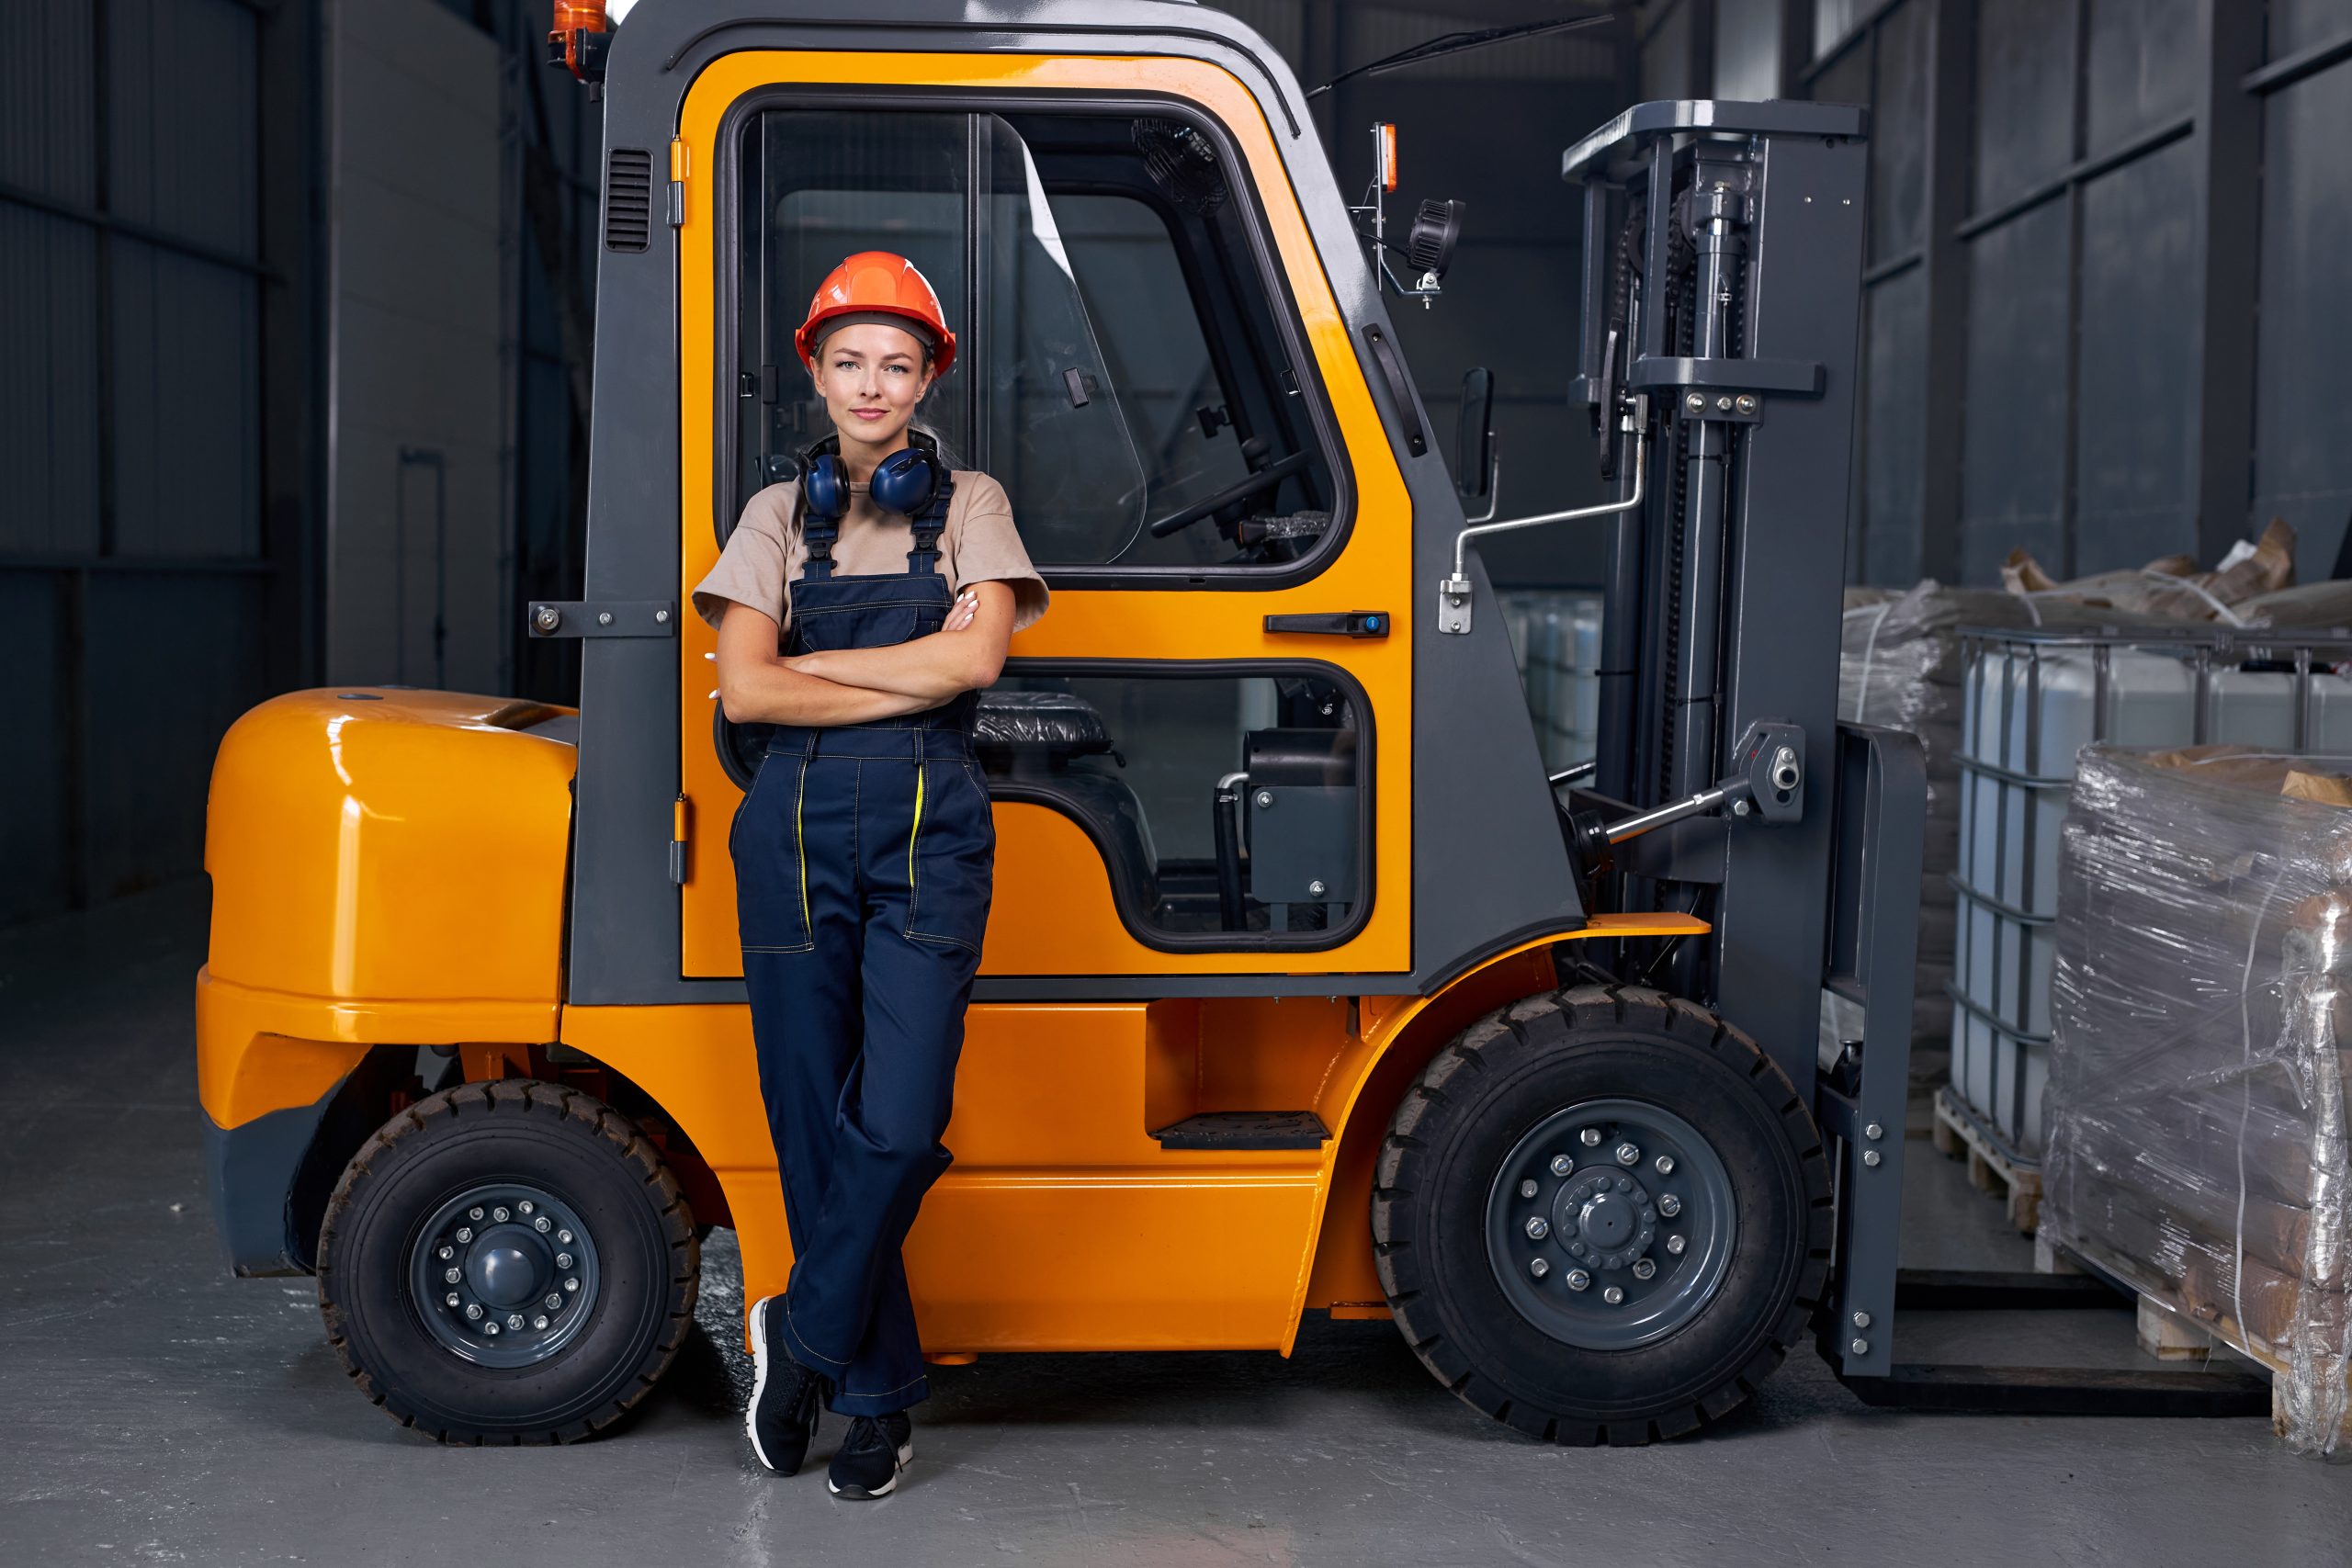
{"points": [[1224, 806], [1120, 367]]}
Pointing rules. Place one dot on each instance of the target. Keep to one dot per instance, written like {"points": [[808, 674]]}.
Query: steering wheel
{"points": [[1266, 477]]}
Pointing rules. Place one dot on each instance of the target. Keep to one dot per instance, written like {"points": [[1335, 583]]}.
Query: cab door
{"points": [[1199, 758]]}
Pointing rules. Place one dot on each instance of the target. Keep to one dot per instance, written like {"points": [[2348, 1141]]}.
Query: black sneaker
{"points": [[782, 1415], [872, 1458]]}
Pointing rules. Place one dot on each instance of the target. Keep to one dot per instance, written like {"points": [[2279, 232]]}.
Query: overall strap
{"points": [[817, 531], [930, 519]]}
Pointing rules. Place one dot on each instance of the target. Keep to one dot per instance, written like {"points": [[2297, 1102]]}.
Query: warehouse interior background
{"points": [[296, 315]]}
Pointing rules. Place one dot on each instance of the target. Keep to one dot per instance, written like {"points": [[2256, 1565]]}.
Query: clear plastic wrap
{"points": [[1901, 665], [2197, 1136]]}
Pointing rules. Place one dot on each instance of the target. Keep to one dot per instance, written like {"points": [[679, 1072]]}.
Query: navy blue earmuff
{"points": [[824, 486], [905, 481]]}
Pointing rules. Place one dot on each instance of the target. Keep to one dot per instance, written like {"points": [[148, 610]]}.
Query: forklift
{"points": [[1306, 987]]}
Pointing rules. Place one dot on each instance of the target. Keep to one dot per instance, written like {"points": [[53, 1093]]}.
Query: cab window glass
{"points": [[1119, 371], [1225, 807]]}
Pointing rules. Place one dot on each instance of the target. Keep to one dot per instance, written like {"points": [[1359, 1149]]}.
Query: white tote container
{"points": [[2034, 698]]}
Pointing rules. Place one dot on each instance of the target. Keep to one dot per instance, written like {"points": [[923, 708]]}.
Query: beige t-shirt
{"points": [[765, 554]]}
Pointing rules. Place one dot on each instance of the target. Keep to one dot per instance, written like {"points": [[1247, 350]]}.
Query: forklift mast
{"points": [[1722, 287]]}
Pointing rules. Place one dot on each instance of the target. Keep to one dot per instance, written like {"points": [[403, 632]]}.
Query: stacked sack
{"points": [[2202, 1010]]}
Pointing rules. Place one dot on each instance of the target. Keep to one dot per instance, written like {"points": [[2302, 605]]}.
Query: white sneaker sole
{"points": [[906, 1458], [759, 1378]]}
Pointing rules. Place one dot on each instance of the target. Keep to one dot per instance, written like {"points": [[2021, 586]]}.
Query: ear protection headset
{"points": [[912, 481]]}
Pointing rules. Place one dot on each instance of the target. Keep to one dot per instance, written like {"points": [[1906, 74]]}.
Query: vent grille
{"points": [[629, 200]]}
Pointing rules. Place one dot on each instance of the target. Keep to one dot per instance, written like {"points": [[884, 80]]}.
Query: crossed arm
{"points": [[758, 686]]}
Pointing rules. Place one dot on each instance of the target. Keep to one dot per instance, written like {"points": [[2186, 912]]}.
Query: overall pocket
{"points": [[951, 856], [771, 864]]}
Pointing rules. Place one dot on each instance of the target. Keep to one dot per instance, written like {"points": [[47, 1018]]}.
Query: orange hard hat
{"points": [[878, 283]]}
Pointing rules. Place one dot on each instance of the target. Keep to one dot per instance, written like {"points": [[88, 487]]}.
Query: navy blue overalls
{"points": [[863, 860]]}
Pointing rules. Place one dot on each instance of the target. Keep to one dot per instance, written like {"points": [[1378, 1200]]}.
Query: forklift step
{"points": [[1246, 1129]]}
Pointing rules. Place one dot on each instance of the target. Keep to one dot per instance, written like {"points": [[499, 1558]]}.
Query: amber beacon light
{"points": [[581, 34]]}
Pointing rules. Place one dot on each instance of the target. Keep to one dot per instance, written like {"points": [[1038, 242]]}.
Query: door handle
{"points": [[1343, 623]]}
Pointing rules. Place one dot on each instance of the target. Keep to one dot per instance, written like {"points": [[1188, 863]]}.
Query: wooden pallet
{"points": [[1991, 1167], [2167, 1328]]}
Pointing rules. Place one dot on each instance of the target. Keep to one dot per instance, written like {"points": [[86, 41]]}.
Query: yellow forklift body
{"points": [[390, 871]]}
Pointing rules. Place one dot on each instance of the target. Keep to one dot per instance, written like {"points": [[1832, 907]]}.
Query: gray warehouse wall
{"points": [[2101, 316]]}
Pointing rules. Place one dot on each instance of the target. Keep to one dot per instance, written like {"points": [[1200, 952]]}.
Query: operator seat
{"points": [[1041, 747]]}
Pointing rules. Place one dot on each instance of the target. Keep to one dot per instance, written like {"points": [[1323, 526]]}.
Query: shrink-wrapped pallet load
{"points": [[1900, 666], [2202, 1010]]}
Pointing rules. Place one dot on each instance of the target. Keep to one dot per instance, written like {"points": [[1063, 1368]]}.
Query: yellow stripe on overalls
{"points": [[915, 829], [801, 852]]}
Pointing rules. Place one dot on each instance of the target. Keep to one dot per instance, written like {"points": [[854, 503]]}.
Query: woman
{"points": [[860, 610]]}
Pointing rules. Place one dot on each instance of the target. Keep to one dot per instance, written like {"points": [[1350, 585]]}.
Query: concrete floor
{"points": [[153, 1409]]}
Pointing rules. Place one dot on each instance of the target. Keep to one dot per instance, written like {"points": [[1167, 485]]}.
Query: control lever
{"points": [[1766, 781]]}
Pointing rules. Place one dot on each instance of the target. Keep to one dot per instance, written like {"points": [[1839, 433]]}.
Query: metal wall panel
{"points": [[34, 847], [183, 119], [2302, 468], [48, 102], [2138, 74], [187, 405], [2297, 24], [1833, 19], [1748, 49], [2136, 400], [159, 703], [2013, 446], [1895, 428], [49, 383], [1847, 81], [1899, 133], [2024, 69]]}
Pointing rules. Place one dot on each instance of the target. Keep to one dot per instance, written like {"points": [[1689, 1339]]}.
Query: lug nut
{"points": [[1562, 1165], [449, 1300], [571, 1284], [1538, 1267], [1628, 1155], [1536, 1229], [1591, 1137], [540, 1224], [524, 1207], [1674, 1245], [473, 1311], [1860, 1346], [539, 1321], [445, 1254], [1578, 1280], [513, 1320], [450, 1276], [474, 1212], [465, 1232], [500, 1215], [554, 1301], [1665, 1164], [1668, 1204], [1861, 1320], [564, 1236], [564, 1260], [490, 1328], [1613, 1295], [1643, 1269], [1527, 1189]]}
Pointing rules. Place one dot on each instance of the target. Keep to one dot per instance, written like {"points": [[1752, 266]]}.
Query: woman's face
{"points": [[871, 377]]}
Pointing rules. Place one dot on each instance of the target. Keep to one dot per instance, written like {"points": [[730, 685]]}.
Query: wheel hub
{"points": [[505, 1274], [1611, 1223]]}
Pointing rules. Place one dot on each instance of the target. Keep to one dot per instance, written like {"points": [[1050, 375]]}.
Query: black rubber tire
{"points": [[515, 1129], [1492, 1085]]}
